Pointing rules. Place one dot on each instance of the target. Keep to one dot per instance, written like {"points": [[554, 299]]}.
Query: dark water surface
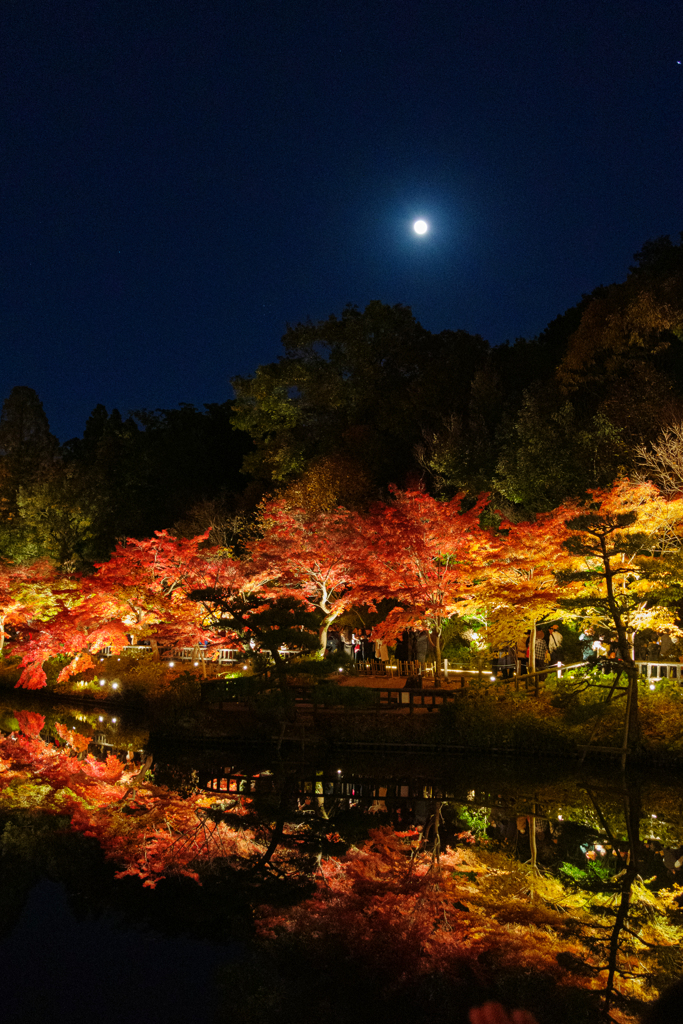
{"points": [[57, 966]]}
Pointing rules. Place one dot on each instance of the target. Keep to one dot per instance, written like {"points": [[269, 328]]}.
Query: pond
{"points": [[251, 883]]}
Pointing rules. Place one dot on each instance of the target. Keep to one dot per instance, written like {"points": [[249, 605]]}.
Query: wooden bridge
{"points": [[350, 788]]}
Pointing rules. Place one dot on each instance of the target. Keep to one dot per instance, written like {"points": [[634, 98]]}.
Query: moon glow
{"points": [[420, 227]]}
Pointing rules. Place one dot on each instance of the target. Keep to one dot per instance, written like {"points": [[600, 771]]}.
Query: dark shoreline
{"points": [[249, 730]]}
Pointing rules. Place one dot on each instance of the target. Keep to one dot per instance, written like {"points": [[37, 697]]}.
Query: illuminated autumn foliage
{"points": [[316, 557], [397, 907], [140, 593], [424, 554], [429, 561]]}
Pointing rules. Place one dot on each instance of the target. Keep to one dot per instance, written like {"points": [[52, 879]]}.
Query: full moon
{"points": [[420, 227]]}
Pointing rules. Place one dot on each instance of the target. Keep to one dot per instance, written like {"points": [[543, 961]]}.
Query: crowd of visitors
{"points": [[414, 645], [514, 659]]}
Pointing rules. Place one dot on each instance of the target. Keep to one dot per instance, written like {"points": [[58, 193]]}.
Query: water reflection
{"points": [[614, 842], [500, 868]]}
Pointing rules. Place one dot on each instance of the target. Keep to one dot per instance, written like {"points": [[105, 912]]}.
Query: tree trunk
{"points": [[320, 811], [322, 637], [280, 669], [633, 728], [324, 627], [2, 633], [533, 848], [632, 815], [632, 725], [437, 653]]}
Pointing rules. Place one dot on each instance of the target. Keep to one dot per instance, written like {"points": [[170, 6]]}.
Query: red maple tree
{"points": [[140, 593], [311, 557], [424, 554]]}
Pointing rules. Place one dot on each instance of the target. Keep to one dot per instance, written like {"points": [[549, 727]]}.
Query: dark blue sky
{"points": [[181, 179]]}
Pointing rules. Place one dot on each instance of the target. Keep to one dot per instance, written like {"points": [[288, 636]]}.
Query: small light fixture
{"points": [[560, 818], [196, 663], [101, 719], [171, 664], [114, 721], [101, 682], [652, 686], [115, 686]]}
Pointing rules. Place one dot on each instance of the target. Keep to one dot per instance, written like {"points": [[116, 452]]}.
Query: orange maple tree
{"points": [[519, 584], [29, 592]]}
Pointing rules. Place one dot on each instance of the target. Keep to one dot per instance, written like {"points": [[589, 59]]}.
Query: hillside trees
{"points": [[616, 381], [463, 451], [554, 453], [27, 448], [29, 453], [625, 360], [363, 385], [154, 468], [662, 461], [629, 323], [124, 477]]}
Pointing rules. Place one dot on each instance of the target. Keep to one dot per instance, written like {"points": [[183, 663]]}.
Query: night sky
{"points": [[181, 179]]}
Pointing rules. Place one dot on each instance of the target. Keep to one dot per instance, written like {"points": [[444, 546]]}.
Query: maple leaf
{"points": [[142, 590], [111, 770]]}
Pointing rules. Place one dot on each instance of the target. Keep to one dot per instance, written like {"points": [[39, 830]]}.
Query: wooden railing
{"points": [[219, 656], [660, 669], [130, 649]]}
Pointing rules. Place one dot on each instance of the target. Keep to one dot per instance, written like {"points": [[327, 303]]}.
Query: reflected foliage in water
{"points": [[404, 886]]}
